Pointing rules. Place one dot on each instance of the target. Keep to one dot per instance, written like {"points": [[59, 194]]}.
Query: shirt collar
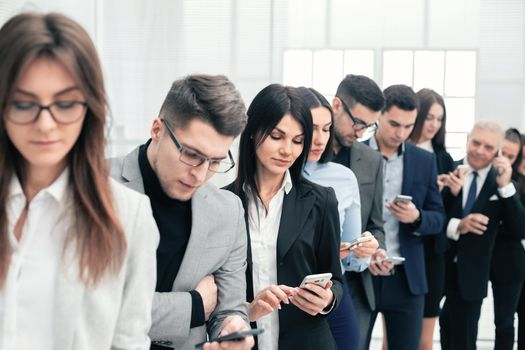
{"points": [[286, 185], [374, 145], [426, 145], [311, 167], [482, 173], [56, 190]]}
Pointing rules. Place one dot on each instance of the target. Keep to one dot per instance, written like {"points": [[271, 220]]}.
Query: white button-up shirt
{"points": [[26, 300], [264, 228]]}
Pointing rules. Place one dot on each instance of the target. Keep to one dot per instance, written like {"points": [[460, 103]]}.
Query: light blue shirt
{"points": [[344, 183], [392, 186]]}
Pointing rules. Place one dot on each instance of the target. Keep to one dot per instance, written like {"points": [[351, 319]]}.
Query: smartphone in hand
{"points": [[354, 242], [235, 336], [403, 198], [320, 279], [395, 259]]}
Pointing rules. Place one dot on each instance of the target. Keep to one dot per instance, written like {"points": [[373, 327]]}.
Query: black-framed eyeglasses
{"points": [[358, 123], [194, 159], [63, 112]]}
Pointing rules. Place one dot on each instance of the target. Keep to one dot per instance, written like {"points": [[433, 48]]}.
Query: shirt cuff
{"points": [[507, 191], [326, 312], [351, 263], [197, 309], [452, 229]]}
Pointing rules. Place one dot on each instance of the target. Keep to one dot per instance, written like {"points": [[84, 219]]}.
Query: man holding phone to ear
{"points": [[477, 199], [412, 208]]}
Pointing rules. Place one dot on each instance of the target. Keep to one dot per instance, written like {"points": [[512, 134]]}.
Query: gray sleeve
{"points": [[231, 279], [171, 317], [375, 220]]}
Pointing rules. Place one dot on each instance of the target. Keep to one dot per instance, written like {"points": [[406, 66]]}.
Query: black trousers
{"points": [[459, 318], [402, 310], [506, 297]]}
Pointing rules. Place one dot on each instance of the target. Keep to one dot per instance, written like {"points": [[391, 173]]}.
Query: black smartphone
{"points": [[235, 336]]}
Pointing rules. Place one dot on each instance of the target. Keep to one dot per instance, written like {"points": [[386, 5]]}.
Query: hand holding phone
{"points": [[320, 279], [353, 243], [235, 336], [395, 260]]}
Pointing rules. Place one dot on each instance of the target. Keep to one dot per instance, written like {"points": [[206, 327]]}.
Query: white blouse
{"points": [[264, 229], [27, 322]]}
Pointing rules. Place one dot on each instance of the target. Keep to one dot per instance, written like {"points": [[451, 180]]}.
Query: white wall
{"points": [[145, 45]]}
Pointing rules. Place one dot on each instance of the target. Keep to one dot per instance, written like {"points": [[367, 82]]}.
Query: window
{"points": [[451, 73]]}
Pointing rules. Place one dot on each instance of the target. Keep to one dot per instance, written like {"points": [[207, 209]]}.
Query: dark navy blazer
{"points": [[420, 182]]}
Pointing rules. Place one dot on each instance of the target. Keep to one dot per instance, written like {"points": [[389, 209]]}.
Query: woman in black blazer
{"points": [[429, 134], [293, 225]]}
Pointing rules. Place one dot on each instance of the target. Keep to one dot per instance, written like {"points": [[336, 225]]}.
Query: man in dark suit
{"points": [[357, 107], [407, 170], [478, 197]]}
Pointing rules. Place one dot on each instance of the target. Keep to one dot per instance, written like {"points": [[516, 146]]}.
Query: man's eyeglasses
{"points": [[194, 159], [63, 112], [358, 123]]}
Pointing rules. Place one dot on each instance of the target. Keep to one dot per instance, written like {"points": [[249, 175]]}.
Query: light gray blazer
{"points": [[217, 246], [116, 313]]}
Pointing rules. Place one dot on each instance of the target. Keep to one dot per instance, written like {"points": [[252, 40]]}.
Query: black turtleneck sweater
{"points": [[173, 218]]}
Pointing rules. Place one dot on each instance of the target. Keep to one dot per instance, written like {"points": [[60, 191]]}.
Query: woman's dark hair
{"points": [[314, 99], [97, 232], [513, 135], [427, 98], [265, 112]]}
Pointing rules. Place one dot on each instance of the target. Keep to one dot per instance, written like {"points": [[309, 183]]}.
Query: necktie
{"points": [[471, 198]]}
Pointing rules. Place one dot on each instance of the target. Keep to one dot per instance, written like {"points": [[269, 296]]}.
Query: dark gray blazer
{"points": [[366, 164], [217, 246]]}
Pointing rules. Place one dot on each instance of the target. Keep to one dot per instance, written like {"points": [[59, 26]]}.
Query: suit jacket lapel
{"points": [[296, 209], [131, 171], [408, 163], [200, 227]]}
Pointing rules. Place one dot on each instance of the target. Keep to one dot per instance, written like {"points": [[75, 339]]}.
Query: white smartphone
{"points": [[462, 168], [354, 242], [403, 198], [321, 279], [395, 259]]}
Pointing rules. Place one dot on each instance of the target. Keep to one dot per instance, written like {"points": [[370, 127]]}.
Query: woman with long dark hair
{"points": [[77, 250], [319, 169], [293, 225], [429, 133]]}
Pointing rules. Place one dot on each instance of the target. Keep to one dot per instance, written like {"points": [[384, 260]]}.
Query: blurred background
{"points": [[470, 51]]}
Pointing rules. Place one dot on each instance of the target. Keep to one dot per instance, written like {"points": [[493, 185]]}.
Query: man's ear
{"points": [[337, 106], [156, 129]]}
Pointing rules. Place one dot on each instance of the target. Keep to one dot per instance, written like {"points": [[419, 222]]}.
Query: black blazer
{"points": [[508, 257], [307, 243], [474, 251], [438, 244]]}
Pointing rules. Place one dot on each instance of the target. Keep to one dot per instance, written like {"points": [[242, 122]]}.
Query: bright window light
{"points": [[397, 68], [429, 70], [297, 68], [460, 114], [460, 73], [360, 62], [327, 71]]}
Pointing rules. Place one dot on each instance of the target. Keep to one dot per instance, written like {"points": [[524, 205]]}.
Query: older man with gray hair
{"points": [[477, 196]]}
